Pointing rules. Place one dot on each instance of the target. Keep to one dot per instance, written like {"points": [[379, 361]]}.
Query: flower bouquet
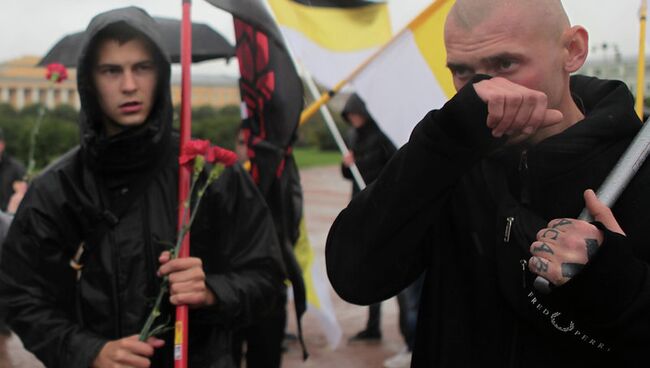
{"points": [[194, 154]]}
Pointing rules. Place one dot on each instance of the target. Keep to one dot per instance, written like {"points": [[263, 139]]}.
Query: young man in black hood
{"points": [[482, 196], [111, 205]]}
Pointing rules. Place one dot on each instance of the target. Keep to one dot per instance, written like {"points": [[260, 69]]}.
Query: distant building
{"points": [[620, 68], [22, 83], [211, 90]]}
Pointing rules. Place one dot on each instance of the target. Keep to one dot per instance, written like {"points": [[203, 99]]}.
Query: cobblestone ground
{"points": [[326, 193]]}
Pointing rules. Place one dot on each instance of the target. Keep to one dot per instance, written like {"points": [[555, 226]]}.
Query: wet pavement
{"points": [[326, 193]]}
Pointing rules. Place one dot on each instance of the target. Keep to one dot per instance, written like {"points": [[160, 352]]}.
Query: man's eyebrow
{"points": [[502, 56], [457, 66], [108, 65]]}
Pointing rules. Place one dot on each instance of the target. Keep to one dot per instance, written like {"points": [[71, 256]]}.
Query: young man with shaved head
{"points": [[483, 198]]}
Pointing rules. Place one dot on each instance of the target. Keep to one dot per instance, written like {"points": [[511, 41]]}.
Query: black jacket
{"points": [[118, 196], [442, 205], [371, 148]]}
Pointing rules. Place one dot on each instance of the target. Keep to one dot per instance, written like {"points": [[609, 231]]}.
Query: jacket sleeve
{"points": [[38, 286], [374, 160], [610, 297], [244, 266], [393, 218]]}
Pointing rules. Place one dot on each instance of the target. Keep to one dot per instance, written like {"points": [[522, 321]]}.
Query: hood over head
{"points": [[355, 105], [134, 148]]}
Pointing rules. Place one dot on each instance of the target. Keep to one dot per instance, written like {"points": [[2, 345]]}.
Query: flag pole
{"points": [[182, 313], [313, 90], [327, 115], [640, 80], [327, 96]]}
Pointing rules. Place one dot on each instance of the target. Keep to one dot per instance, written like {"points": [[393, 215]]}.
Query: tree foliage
{"points": [[59, 131]]}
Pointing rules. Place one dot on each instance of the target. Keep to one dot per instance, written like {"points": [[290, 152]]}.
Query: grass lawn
{"points": [[312, 157]]}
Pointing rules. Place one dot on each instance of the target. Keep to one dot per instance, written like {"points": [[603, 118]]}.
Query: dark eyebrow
{"points": [[146, 62], [108, 65], [458, 66], [502, 56]]}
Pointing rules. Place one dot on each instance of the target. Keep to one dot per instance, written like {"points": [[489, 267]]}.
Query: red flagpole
{"points": [[181, 327]]}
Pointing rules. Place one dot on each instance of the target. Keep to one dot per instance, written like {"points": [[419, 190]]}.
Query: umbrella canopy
{"points": [[207, 44]]}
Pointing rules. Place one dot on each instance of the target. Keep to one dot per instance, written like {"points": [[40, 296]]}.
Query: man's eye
{"points": [[462, 72], [505, 65], [110, 71]]}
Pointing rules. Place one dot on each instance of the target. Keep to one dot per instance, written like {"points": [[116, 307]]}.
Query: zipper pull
{"points": [[506, 234], [523, 160], [523, 263]]}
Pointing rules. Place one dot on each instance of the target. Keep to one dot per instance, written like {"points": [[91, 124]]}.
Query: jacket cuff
{"points": [[464, 119], [83, 348], [613, 273], [226, 305]]}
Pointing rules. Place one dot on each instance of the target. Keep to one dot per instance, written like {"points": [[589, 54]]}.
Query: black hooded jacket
{"points": [[371, 148], [457, 203], [118, 197]]}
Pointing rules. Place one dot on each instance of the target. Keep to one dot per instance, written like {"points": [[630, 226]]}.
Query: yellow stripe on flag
{"points": [[318, 289], [428, 31], [336, 29], [305, 258]]}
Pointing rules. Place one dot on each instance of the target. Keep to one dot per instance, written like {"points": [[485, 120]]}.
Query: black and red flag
{"points": [[272, 95]]}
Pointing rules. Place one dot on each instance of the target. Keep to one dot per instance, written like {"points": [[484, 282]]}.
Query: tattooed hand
{"points": [[567, 245]]}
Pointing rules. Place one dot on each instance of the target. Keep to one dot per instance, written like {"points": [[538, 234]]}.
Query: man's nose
{"points": [[128, 82]]}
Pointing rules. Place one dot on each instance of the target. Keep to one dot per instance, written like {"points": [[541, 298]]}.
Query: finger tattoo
{"points": [[543, 248], [569, 270], [540, 266], [592, 247], [562, 222], [554, 234]]}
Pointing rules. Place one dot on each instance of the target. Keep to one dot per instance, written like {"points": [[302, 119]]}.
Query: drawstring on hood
{"points": [[134, 149]]}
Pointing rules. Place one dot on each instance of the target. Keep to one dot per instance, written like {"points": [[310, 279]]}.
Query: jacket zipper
{"points": [[149, 251], [116, 284], [513, 345], [506, 234], [523, 263], [523, 175], [525, 199]]}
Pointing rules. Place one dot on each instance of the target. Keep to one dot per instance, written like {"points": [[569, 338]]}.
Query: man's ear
{"points": [[576, 44]]}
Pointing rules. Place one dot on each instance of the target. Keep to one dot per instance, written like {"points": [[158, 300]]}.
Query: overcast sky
{"points": [[31, 27]]}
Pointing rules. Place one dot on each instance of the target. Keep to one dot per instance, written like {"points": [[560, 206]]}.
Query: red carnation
{"points": [[192, 149], [56, 73], [221, 155]]}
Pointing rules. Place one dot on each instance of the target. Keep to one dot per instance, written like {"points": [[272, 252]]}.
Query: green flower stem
{"points": [[32, 143], [146, 331], [31, 162], [155, 312]]}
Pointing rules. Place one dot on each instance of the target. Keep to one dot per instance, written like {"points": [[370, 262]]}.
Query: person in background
{"points": [[370, 150], [11, 171]]}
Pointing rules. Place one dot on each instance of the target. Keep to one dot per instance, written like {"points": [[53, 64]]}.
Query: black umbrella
{"points": [[207, 44]]}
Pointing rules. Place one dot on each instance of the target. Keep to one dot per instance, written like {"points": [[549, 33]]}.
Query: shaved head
{"points": [[531, 43], [545, 16]]}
